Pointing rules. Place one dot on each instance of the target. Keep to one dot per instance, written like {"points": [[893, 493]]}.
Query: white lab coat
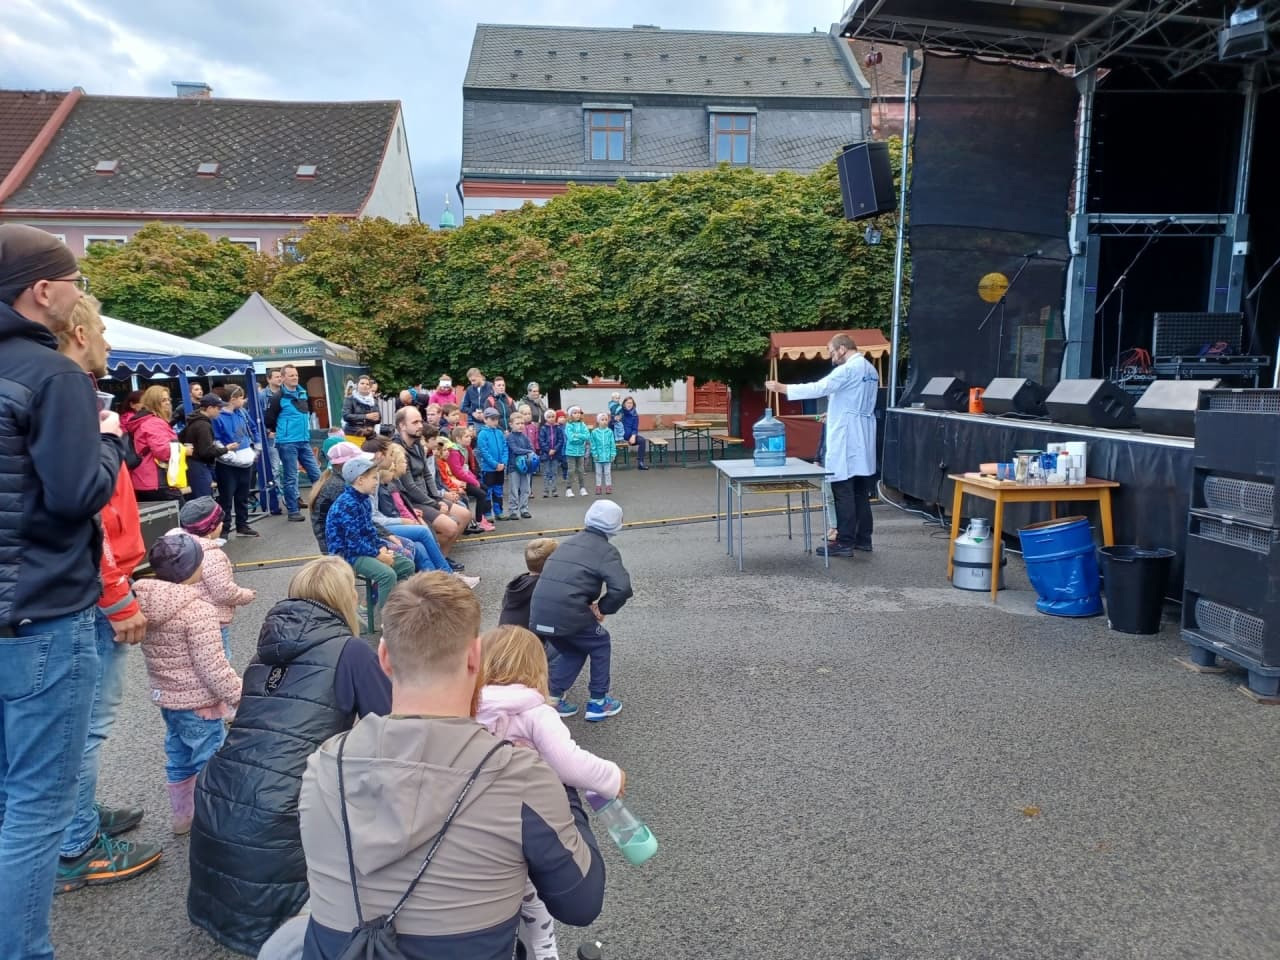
{"points": [[851, 416]]}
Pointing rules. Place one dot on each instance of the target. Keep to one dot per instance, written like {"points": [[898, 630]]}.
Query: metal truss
{"points": [[1154, 224]]}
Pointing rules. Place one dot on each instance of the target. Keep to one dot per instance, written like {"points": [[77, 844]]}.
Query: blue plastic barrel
{"points": [[770, 435], [1063, 567]]}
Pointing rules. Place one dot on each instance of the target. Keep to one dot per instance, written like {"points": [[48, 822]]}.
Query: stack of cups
{"points": [[1079, 462]]}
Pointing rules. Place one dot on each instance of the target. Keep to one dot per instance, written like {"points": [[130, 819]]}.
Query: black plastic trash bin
{"points": [[1133, 582]]}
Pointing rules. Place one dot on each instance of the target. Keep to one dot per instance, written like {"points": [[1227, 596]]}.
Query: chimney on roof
{"points": [[645, 26], [193, 90]]}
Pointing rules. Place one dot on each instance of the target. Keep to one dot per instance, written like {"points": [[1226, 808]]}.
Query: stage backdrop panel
{"points": [[993, 160]]}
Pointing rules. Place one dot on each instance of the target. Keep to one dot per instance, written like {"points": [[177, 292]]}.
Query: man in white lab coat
{"points": [[851, 440]]}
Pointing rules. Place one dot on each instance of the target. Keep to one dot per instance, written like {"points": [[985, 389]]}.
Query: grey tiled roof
{"points": [[649, 60], [258, 144]]}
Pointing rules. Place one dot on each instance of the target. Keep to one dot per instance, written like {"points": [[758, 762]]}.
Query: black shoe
{"points": [[865, 548], [297, 518], [247, 532], [114, 822], [455, 566], [834, 550]]}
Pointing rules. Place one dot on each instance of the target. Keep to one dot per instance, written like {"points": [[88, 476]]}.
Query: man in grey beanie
{"points": [[568, 609], [58, 465]]}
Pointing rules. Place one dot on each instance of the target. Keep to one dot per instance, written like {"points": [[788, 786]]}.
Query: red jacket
{"points": [[151, 439], [122, 550]]}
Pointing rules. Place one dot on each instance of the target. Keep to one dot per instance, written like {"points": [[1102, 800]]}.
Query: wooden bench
{"points": [[658, 450], [725, 443], [370, 599]]}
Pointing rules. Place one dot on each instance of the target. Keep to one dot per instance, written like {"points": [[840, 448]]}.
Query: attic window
{"points": [[663, 56], [737, 58], [306, 171], [209, 169], [518, 52], [106, 166], [583, 54]]}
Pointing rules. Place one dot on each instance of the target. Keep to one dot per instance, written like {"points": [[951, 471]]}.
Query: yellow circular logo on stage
{"points": [[992, 287]]}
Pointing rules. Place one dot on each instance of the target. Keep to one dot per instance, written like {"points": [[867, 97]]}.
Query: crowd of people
{"points": [[319, 786]]}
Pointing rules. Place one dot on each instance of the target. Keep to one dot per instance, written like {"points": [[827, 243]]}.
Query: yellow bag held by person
{"points": [[176, 474]]}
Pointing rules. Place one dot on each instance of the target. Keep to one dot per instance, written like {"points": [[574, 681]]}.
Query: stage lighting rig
{"points": [[1245, 36]]}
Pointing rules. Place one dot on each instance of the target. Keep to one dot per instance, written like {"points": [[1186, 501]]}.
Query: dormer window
{"points": [[306, 171], [106, 167], [209, 169]]}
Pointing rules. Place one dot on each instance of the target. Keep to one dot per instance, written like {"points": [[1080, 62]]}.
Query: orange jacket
{"points": [[122, 550]]}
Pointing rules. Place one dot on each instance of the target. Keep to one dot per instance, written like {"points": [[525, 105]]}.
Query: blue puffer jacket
{"points": [[56, 473], [551, 437], [294, 425], [491, 448]]}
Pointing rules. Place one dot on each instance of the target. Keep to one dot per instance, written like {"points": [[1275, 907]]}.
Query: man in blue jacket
{"points": [[293, 440], [477, 398], [59, 460]]}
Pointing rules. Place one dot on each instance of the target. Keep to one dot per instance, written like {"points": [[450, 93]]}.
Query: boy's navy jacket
{"points": [[571, 581], [475, 400], [515, 600], [56, 473], [518, 445], [491, 447], [551, 437]]}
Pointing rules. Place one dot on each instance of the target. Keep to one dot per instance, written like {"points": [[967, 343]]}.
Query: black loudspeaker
{"points": [[1169, 406], [946, 393], [1091, 403], [866, 180], [1014, 395]]}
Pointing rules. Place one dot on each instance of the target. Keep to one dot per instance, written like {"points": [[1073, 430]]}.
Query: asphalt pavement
{"points": [[856, 763]]}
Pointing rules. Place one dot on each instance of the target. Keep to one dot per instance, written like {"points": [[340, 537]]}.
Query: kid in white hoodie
{"points": [[513, 706]]}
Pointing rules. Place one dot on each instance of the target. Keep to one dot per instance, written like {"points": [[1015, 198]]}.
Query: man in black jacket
{"points": [[568, 608], [58, 465], [205, 448], [447, 517]]}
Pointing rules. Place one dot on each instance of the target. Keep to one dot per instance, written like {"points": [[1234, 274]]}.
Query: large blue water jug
{"points": [[771, 441]]}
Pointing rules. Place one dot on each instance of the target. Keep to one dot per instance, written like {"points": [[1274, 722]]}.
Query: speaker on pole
{"points": [[945, 393], [866, 180], [1091, 403], [1014, 395], [1169, 406]]}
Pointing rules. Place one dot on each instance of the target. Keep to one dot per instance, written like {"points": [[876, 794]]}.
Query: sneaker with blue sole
{"points": [[565, 708], [600, 709]]}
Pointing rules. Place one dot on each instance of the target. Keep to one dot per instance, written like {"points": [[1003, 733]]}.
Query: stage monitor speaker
{"points": [[1169, 406], [946, 393], [866, 180], [1091, 403], [1014, 395]]}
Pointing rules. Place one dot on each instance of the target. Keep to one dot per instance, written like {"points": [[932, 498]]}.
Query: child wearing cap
{"points": [[604, 450], [350, 533], [568, 609], [491, 448], [192, 682], [203, 519]]}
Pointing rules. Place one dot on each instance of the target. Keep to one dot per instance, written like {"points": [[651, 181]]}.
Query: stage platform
{"points": [[1154, 472]]}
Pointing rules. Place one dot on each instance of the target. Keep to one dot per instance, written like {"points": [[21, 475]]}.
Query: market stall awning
{"points": [[148, 352], [812, 344], [263, 332]]}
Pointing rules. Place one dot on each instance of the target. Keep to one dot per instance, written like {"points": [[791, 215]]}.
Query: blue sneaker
{"points": [[565, 708], [599, 709]]}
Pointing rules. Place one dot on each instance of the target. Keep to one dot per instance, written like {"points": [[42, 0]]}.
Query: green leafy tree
{"points": [[174, 279]]}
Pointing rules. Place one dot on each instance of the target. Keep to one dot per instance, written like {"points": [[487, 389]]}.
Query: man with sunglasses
{"points": [[59, 459]]}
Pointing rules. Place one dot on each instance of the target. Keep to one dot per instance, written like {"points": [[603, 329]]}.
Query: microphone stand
{"points": [[1120, 285], [1000, 304]]}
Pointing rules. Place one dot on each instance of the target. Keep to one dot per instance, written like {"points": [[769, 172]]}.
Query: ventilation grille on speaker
{"points": [[1240, 497], [1236, 535], [1228, 625], [1242, 401]]}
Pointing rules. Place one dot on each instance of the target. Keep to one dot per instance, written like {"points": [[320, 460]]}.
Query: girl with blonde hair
{"points": [[513, 706], [311, 678]]}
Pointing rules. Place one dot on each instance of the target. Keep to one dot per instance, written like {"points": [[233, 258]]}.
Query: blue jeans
{"points": [[549, 467], [108, 691], [47, 674], [189, 742], [426, 550], [574, 651], [274, 472], [291, 455]]}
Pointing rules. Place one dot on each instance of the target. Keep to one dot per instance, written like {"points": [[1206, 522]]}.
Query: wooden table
{"points": [[682, 430], [1007, 491]]}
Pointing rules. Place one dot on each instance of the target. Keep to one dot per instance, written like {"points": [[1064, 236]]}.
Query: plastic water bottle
{"points": [[771, 441], [634, 839]]}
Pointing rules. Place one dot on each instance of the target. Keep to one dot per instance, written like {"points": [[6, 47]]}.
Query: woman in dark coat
{"points": [[310, 680]]}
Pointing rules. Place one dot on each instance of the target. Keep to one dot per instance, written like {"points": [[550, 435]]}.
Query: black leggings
{"points": [[476, 493]]}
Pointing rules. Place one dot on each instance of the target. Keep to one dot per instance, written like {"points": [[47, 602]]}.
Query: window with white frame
{"points": [[288, 248], [251, 242], [731, 137], [111, 240]]}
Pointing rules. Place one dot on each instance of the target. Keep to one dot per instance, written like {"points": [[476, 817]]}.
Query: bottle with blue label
{"points": [[771, 441], [634, 839]]}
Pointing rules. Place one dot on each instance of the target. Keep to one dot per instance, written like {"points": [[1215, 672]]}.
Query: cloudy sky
{"points": [[415, 52]]}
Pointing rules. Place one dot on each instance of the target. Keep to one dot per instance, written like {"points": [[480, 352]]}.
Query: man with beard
{"points": [[447, 517], [59, 460]]}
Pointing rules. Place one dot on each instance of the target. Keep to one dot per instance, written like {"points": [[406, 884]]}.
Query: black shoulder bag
{"points": [[376, 938]]}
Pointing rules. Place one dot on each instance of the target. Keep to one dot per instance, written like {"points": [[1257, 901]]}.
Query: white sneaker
{"points": [[569, 492], [582, 492], [471, 582]]}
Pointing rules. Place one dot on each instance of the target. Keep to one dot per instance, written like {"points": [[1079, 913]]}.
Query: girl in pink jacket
{"points": [[513, 706], [203, 519]]}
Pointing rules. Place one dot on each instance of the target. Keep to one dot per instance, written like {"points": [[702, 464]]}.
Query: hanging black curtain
{"points": [[993, 157]]}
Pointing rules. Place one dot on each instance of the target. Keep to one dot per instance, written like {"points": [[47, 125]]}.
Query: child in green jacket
{"points": [[604, 450], [576, 437]]}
